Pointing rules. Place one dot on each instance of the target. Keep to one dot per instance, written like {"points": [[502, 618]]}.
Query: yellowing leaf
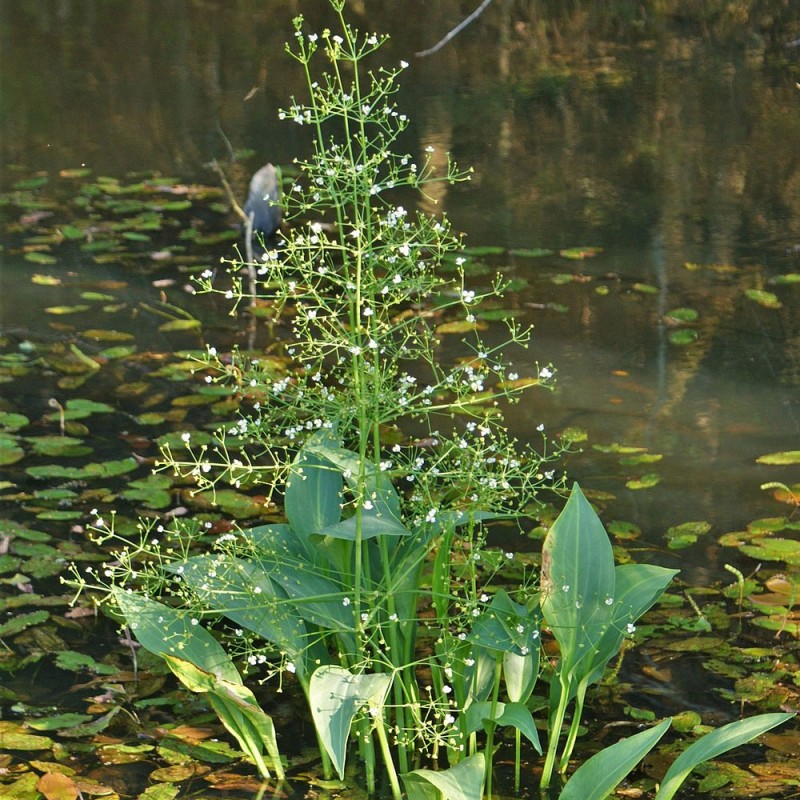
{"points": [[55, 786]]}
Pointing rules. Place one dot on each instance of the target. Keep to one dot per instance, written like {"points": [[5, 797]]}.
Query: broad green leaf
{"points": [[506, 627], [313, 498], [715, 744], [464, 781], [637, 588], [164, 631], [244, 593], [599, 776], [514, 715], [520, 674], [577, 580], [373, 523], [335, 696], [238, 710], [378, 488]]}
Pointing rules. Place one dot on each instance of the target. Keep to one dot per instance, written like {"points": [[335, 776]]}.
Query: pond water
{"points": [[651, 153]]}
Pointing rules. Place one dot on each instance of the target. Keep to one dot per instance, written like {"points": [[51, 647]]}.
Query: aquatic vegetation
{"points": [[379, 592]]}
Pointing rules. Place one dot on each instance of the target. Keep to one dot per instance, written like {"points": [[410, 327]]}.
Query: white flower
{"points": [[630, 628], [346, 602], [545, 373], [404, 65], [449, 719], [290, 667]]}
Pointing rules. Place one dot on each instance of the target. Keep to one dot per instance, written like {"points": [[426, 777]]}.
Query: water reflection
{"points": [[664, 136]]}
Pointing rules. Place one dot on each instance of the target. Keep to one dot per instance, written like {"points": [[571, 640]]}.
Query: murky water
{"points": [[667, 141], [662, 139]]}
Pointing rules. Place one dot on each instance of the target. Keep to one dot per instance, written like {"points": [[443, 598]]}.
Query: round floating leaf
{"points": [[45, 280], [72, 233], [58, 446], [63, 310], [37, 257], [681, 315], [579, 253], [645, 482], [179, 325], [11, 422], [788, 278], [31, 183], [533, 252], [785, 457], [686, 534], [14, 737], [485, 250], [624, 530], [765, 299], [461, 326], [10, 451], [683, 336]]}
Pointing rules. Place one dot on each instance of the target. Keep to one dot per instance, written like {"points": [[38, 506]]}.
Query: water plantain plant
{"points": [[377, 595]]}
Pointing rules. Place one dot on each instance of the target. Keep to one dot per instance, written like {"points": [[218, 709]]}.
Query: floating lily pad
{"points": [[461, 326], [681, 315], [645, 482], [11, 422], [787, 278], [18, 624], [14, 737], [10, 451], [685, 534], [483, 250], [532, 252], [624, 530], [37, 257], [67, 446], [641, 458], [179, 325], [579, 253], [683, 336], [763, 298], [65, 310], [785, 457]]}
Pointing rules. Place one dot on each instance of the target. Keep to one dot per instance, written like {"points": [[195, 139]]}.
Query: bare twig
{"points": [[460, 27]]}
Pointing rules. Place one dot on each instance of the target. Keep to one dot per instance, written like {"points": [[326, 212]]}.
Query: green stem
{"points": [[386, 750], [556, 722], [574, 726], [498, 670]]}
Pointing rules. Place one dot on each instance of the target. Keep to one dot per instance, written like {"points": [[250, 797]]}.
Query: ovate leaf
{"points": [[335, 696], [464, 781]]}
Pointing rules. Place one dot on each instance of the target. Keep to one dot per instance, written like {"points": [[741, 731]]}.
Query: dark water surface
{"points": [[663, 138], [670, 141]]}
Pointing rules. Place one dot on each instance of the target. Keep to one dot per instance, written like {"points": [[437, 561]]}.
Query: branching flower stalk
{"points": [[362, 395]]}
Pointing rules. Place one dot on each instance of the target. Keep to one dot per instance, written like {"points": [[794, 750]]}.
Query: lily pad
{"points": [[645, 482], [10, 451], [682, 337], [686, 534], [10, 422], [681, 315], [763, 298], [785, 457], [14, 737]]}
